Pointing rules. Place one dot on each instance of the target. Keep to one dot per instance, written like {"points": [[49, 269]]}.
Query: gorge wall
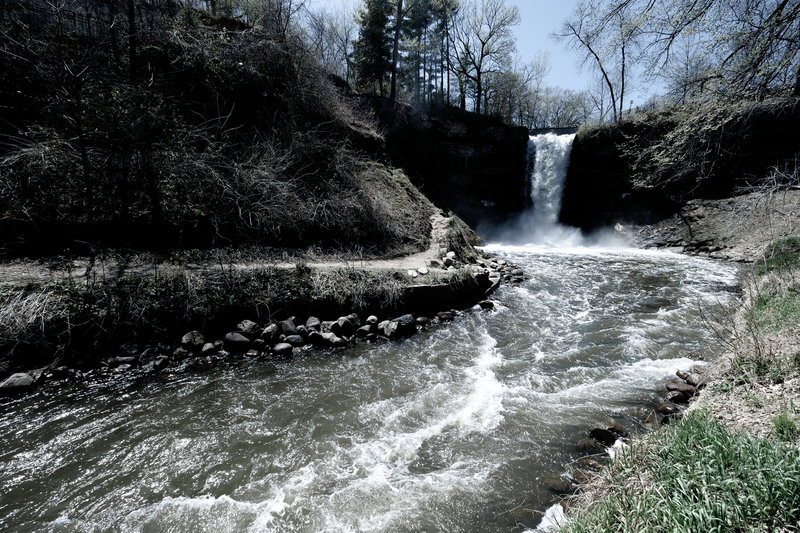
{"points": [[644, 168], [471, 164]]}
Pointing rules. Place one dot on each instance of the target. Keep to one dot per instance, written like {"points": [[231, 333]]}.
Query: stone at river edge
{"points": [[17, 382], [236, 342], [193, 341]]}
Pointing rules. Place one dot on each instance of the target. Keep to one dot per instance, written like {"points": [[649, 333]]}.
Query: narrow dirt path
{"points": [[29, 271]]}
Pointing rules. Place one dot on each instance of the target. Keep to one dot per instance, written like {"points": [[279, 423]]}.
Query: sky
{"points": [[539, 20]]}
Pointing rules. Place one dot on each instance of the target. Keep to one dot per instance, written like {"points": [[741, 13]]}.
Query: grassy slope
{"points": [[732, 464]]}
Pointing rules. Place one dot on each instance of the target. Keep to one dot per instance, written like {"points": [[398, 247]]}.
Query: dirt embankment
{"points": [[735, 229]]}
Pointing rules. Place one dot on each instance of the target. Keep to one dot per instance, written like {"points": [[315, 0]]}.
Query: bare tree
{"points": [[608, 37], [484, 41]]}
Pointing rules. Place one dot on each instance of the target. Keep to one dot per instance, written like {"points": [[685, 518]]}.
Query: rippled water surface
{"points": [[461, 428]]}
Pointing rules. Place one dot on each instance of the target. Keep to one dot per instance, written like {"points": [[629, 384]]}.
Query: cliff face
{"points": [[646, 167], [471, 164]]}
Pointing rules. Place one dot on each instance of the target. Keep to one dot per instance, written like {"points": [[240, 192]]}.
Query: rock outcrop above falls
{"points": [[471, 164], [646, 167]]}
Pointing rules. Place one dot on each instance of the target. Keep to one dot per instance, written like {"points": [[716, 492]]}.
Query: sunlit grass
{"points": [[699, 476]]}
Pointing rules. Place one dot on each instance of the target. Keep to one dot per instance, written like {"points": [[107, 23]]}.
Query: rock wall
{"points": [[644, 168], [471, 164]]}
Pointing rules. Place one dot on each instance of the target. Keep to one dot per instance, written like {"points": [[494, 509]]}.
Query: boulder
{"points": [[676, 397], [423, 271], [668, 409], [391, 330], [235, 342], [283, 349], [692, 379], [295, 340], [344, 326], [486, 304], [685, 388], [16, 383], [271, 333], [288, 327], [259, 344], [355, 320], [448, 262], [247, 327], [326, 339], [603, 436], [313, 324], [193, 341], [413, 274], [402, 326], [372, 320], [302, 331], [208, 349], [363, 331], [160, 362], [423, 321]]}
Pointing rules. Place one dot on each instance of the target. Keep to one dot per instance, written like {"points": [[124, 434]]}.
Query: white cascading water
{"points": [[551, 161]]}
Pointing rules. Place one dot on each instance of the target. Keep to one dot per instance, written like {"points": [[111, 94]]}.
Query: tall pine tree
{"points": [[372, 51]]}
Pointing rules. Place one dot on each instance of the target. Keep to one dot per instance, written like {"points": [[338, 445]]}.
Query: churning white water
{"points": [[470, 427]]}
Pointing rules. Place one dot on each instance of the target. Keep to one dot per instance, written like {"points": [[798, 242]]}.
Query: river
{"points": [[463, 428]]}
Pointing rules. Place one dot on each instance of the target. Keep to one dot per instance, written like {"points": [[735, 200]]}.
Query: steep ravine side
{"points": [[646, 167], [474, 165]]}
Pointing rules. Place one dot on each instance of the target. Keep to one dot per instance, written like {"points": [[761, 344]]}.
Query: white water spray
{"points": [[551, 152], [548, 156]]}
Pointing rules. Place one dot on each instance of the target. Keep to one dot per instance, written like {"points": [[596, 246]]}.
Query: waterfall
{"points": [[548, 160], [551, 160]]}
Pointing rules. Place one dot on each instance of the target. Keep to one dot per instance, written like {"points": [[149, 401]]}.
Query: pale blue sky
{"points": [[540, 19]]}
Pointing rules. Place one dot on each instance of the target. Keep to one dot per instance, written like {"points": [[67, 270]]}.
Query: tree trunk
{"points": [[478, 92], [112, 30], [395, 49], [797, 84], [132, 39]]}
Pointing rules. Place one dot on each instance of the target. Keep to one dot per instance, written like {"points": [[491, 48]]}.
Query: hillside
{"points": [[207, 133]]}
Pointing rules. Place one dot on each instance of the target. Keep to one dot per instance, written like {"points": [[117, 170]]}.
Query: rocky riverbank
{"points": [[746, 398], [417, 299]]}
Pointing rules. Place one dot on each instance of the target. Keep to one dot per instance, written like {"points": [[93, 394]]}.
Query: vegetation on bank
{"points": [[76, 322], [209, 132], [698, 475], [732, 463]]}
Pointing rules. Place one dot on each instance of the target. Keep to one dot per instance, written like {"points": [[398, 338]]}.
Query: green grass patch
{"points": [[773, 312], [781, 255], [698, 476], [784, 427]]}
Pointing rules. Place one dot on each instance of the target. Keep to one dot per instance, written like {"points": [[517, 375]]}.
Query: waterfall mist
{"points": [[548, 162]]}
